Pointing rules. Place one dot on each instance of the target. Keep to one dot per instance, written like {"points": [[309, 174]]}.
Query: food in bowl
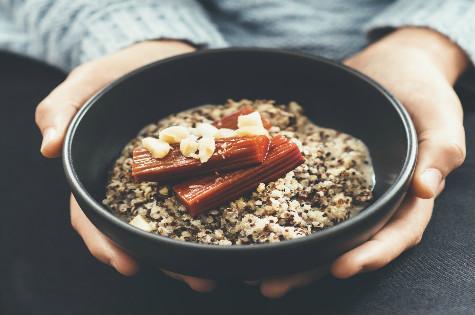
{"points": [[181, 182]]}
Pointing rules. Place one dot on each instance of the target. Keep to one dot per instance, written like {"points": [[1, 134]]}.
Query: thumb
{"points": [[440, 152], [55, 112]]}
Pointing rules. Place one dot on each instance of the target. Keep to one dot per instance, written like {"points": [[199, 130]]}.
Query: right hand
{"points": [[55, 112]]}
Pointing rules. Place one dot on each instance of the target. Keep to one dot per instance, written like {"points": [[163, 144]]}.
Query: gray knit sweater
{"points": [[67, 33]]}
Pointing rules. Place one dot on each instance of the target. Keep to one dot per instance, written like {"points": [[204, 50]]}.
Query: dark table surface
{"points": [[46, 269]]}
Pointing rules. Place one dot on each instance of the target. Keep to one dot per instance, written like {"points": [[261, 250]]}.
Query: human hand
{"points": [[107, 252], [419, 67], [55, 112]]}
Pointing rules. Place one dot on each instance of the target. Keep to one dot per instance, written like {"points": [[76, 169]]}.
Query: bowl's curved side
{"points": [[260, 262], [231, 261]]}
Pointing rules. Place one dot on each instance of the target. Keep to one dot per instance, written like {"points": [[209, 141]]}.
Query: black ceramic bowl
{"points": [[331, 94]]}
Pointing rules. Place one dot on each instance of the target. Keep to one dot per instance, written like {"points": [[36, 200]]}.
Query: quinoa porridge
{"points": [[334, 182]]}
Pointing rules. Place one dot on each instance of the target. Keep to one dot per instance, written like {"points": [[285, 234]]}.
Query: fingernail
{"points": [[431, 178], [48, 135]]}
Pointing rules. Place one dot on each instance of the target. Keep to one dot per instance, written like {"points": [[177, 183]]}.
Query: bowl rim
{"points": [[400, 182]]}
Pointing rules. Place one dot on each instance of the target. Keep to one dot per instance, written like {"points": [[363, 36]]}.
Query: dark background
{"points": [[46, 269]]}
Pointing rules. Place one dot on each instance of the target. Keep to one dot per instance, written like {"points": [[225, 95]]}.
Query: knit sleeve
{"points": [[455, 19], [73, 32]]}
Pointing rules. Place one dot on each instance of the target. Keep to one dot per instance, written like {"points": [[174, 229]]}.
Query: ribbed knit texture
{"points": [[67, 33], [454, 18]]}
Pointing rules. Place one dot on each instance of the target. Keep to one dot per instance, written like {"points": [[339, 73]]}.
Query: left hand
{"points": [[109, 253], [419, 67], [55, 112]]}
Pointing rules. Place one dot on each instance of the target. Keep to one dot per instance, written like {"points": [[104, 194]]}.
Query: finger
{"points": [[441, 188], [438, 117], [279, 286], [440, 152], [99, 245], [196, 284], [55, 112], [403, 231]]}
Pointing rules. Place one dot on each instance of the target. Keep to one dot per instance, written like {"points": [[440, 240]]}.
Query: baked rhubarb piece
{"points": [[230, 154], [231, 121], [208, 192]]}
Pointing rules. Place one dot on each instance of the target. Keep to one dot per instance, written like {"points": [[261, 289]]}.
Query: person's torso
{"points": [[332, 28]]}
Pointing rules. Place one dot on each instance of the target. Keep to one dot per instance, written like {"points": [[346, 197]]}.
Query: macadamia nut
{"points": [[157, 148]]}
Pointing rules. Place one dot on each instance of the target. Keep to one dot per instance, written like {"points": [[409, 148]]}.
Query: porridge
{"points": [[328, 176]]}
